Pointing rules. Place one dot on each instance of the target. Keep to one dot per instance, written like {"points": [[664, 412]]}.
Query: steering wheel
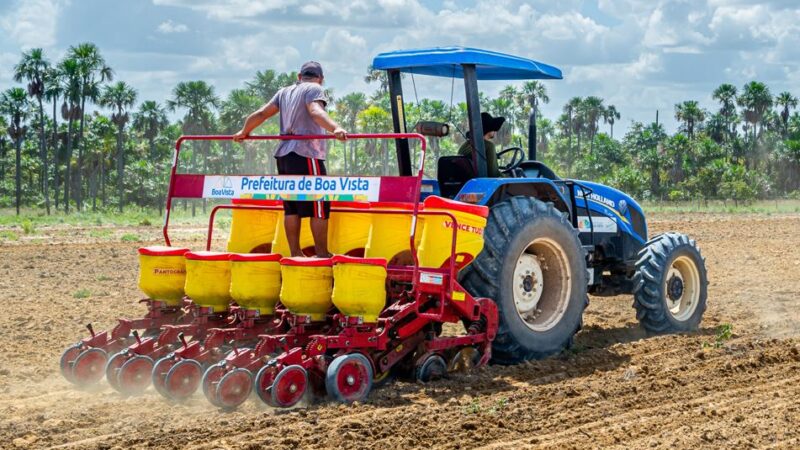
{"points": [[516, 160]]}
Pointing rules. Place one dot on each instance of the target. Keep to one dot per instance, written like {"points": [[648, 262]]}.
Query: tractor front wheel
{"points": [[533, 266], [670, 284]]}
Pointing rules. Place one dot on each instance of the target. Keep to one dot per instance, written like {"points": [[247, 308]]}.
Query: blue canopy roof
{"points": [[447, 61]]}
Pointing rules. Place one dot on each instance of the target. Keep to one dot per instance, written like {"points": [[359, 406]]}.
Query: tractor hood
{"points": [[615, 204]]}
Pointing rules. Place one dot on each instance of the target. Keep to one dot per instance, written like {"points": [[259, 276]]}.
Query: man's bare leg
{"points": [[291, 223], [319, 229]]}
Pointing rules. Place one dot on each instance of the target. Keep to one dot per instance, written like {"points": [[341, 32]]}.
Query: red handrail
{"points": [[418, 187]]}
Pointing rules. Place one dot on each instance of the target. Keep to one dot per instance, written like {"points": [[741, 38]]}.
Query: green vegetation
{"points": [[82, 293], [499, 406], [54, 156], [131, 216], [724, 333], [723, 206], [101, 234], [8, 235], [474, 407], [130, 237], [28, 227]]}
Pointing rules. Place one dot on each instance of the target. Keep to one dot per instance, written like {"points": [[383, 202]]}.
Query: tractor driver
{"points": [[302, 111], [491, 125]]}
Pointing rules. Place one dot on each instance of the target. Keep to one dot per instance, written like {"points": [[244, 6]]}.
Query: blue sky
{"points": [[640, 55]]}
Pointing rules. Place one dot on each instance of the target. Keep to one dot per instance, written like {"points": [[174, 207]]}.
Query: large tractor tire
{"points": [[533, 266], [670, 284]]}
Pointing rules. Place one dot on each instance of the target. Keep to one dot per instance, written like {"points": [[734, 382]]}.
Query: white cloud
{"points": [[570, 26], [342, 44], [169, 27], [639, 55], [259, 51], [32, 23], [7, 61], [647, 63], [675, 25], [230, 9]]}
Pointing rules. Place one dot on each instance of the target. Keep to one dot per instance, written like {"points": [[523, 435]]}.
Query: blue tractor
{"points": [[549, 241]]}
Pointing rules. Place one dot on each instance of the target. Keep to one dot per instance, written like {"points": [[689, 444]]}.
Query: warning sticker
{"points": [[431, 278]]}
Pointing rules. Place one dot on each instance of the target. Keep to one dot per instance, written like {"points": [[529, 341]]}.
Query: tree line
{"points": [[54, 155]]}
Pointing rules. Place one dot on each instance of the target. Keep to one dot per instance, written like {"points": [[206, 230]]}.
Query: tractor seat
{"points": [[453, 172], [537, 169]]}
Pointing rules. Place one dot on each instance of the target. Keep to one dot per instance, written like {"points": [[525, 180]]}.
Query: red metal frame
{"points": [[401, 327], [182, 139], [420, 298]]}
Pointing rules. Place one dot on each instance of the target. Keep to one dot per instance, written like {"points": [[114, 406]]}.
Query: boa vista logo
{"points": [[224, 187], [463, 227]]}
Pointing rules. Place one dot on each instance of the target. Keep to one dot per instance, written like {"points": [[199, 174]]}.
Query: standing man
{"points": [[302, 112]]}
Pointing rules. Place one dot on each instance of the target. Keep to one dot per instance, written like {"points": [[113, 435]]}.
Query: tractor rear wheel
{"points": [[533, 266], [670, 284]]}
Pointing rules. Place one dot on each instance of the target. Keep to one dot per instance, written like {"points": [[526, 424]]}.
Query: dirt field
{"points": [[616, 388]]}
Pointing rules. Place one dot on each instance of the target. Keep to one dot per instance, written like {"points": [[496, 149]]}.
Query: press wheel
{"points": [[183, 379], [87, 369], [134, 376], [234, 388], [349, 378]]}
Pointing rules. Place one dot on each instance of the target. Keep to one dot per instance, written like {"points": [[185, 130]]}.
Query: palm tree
{"points": [[756, 100], [645, 143], [232, 114], [544, 131], [593, 110], [611, 116], [3, 128], [574, 123], [235, 109], [375, 119], [119, 97], [690, 113], [786, 101], [532, 93], [517, 118], [33, 68], [717, 127], [379, 76], [794, 125], [150, 120], [70, 111], [53, 89], [198, 99], [725, 94], [93, 71], [347, 109], [264, 84], [14, 104]]}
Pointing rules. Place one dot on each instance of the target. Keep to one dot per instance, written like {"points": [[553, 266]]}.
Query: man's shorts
{"points": [[294, 164]]}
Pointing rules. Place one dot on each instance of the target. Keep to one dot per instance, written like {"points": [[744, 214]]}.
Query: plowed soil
{"points": [[616, 388]]}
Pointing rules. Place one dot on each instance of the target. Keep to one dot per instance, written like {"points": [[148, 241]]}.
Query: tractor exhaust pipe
{"points": [[532, 134]]}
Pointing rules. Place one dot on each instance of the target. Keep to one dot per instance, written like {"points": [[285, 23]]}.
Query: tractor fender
{"points": [[489, 191]]}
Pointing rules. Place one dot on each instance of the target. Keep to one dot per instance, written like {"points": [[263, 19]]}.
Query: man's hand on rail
{"points": [[340, 133], [240, 136]]}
